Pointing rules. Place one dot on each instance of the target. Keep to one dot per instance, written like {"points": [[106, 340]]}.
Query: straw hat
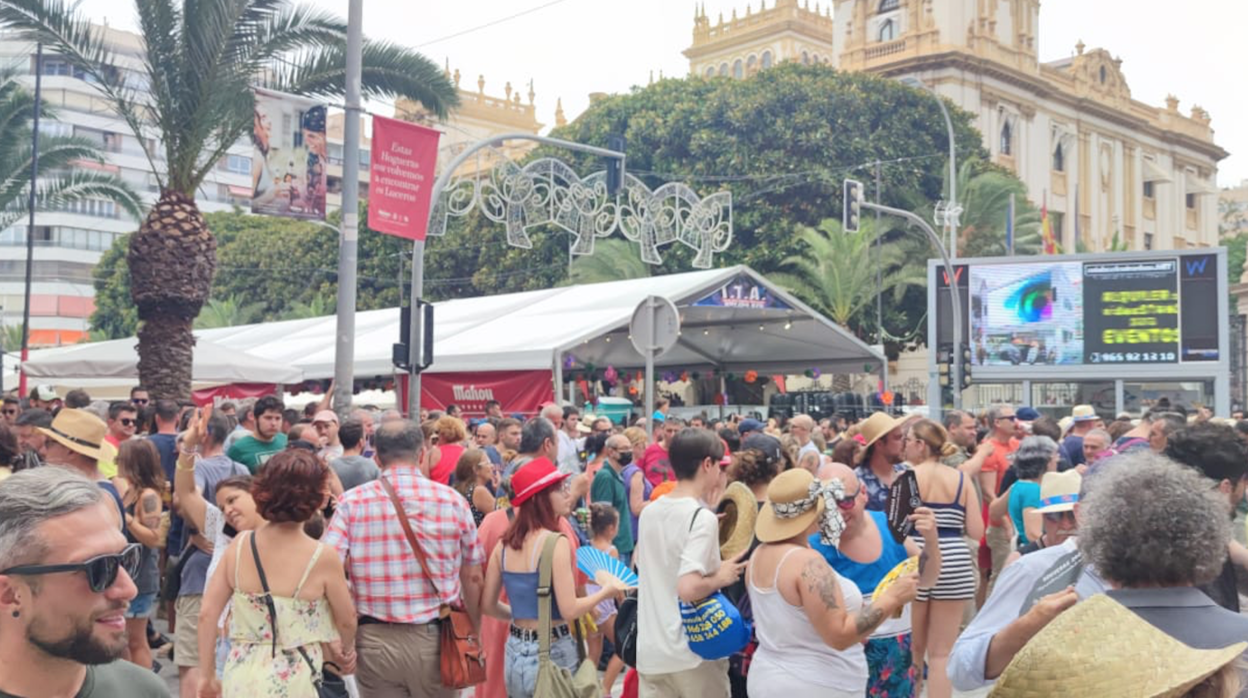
{"points": [[1059, 491], [877, 425], [533, 477], [1101, 648], [79, 431], [1083, 413], [736, 529], [787, 487]]}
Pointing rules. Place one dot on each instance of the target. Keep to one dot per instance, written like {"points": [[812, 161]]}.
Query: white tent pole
{"points": [[558, 376]]}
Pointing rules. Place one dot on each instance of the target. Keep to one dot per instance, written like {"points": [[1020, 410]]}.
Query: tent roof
{"points": [[531, 330], [116, 362]]}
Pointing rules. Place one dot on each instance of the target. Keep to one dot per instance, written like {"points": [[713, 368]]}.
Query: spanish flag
{"points": [[1046, 229]]}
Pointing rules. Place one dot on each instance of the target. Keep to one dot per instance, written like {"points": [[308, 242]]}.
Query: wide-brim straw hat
{"points": [[1083, 413], [1101, 648], [736, 529], [876, 426], [79, 431], [789, 486]]}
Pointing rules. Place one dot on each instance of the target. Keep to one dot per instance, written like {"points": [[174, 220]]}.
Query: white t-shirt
{"points": [[667, 549]]}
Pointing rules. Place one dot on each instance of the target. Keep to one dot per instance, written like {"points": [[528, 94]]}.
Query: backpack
{"points": [[626, 630]]}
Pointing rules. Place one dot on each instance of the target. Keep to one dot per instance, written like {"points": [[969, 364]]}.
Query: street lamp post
{"points": [[952, 211]]}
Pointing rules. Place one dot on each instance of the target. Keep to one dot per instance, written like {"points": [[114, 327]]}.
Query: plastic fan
{"points": [[595, 564], [907, 566]]}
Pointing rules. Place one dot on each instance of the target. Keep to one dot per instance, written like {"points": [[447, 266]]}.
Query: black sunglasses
{"points": [[127, 421], [138, 401], [101, 571], [10, 411]]}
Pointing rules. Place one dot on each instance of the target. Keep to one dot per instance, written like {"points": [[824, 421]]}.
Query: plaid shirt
{"points": [[387, 582]]}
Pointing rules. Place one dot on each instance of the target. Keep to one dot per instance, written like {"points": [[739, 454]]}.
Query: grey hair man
{"points": [[399, 602], [1095, 442], [65, 585], [802, 427], [538, 439], [1163, 425]]}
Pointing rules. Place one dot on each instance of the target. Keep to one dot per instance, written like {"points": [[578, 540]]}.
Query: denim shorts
{"points": [[142, 606], [520, 663]]}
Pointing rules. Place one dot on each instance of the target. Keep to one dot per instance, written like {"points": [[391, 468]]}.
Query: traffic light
{"points": [[615, 166], [966, 367], [401, 353], [851, 213], [944, 368]]}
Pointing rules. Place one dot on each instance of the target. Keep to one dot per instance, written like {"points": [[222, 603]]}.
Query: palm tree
{"points": [[201, 58], [319, 306], [836, 274], [228, 312], [612, 260]]}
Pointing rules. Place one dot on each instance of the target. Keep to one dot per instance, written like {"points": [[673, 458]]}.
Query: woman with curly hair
{"points": [[287, 596], [451, 434]]}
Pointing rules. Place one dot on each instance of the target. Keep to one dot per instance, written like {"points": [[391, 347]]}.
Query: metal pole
{"points": [[953, 180], [415, 346], [879, 283], [650, 369], [418, 251], [953, 288], [30, 228], [348, 250]]}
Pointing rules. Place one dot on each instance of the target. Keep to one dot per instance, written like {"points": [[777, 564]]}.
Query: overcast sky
{"points": [[570, 48]]}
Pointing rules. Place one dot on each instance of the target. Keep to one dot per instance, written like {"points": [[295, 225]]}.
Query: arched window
{"points": [[710, 72], [888, 30], [889, 5], [723, 70], [737, 70], [766, 59], [1059, 159], [1007, 138], [805, 58], [751, 64]]}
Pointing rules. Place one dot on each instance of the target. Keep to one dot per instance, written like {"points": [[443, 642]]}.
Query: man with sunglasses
{"points": [[123, 421], [997, 543], [139, 397], [12, 408], [65, 585]]}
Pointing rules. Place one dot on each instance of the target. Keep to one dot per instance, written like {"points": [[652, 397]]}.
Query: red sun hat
{"points": [[533, 477]]}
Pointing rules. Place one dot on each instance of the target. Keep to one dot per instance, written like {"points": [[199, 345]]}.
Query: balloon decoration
{"points": [[611, 375], [696, 375], [684, 376], [568, 362], [816, 373], [751, 376]]}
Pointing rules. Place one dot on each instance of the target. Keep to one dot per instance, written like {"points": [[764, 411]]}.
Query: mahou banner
{"points": [[290, 156], [401, 177], [516, 391]]}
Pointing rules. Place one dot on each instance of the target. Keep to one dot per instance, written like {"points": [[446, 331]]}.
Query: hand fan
{"points": [[601, 567], [907, 566], [903, 499]]}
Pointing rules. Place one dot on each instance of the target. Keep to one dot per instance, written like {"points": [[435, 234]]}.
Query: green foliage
{"points": [[614, 259], [227, 312], [11, 336], [984, 193]]}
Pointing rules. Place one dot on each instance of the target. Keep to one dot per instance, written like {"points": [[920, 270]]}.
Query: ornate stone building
{"points": [[1104, 162]]}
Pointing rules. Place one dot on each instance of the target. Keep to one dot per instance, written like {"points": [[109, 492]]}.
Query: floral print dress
{"points": [[262, 666]]}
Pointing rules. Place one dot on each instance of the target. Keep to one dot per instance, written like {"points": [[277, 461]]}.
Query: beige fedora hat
{"points": [[877, 425], [786, 488], [1101, 648], [736, 529], [79, 431], [1060, 491]]}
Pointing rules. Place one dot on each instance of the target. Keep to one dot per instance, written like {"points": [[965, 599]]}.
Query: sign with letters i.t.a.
{"points": [[401, 176]]}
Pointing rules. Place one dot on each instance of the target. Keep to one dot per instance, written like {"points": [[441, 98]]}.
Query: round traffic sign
{"points": [[657, 333]]}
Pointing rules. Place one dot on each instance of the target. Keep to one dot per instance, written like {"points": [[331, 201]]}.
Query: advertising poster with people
{"points": [[290, 159]]}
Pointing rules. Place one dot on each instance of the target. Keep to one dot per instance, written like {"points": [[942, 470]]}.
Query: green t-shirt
{"points": [[116, 679], [253, 452], [609, 487]]}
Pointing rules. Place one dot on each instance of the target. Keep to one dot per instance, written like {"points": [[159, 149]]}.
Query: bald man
{"points": [[802, 427]]}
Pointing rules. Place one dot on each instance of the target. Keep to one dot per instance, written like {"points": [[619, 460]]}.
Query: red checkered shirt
{"points": [[386, 579]]}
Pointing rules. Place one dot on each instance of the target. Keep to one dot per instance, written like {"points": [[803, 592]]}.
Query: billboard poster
{"points": [[743, 292], [1027, 314], [401, 177], [290, 156], [1132, 312], [523, 392]]}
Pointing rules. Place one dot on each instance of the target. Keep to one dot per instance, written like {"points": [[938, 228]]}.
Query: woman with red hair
{"points": [[287, 597], [541, 499]]}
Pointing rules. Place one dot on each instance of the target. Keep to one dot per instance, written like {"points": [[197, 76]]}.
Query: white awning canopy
{"points": [[767, 330], [115, 362], [1154, 173], [1195, 185]]}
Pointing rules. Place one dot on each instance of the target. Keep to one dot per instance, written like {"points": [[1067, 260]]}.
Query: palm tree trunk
{"points": [[172, 260], [165, 354]]}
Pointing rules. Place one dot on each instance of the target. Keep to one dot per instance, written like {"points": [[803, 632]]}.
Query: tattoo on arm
{"points": [[922, 562], [869, 620], [818, 581], [151, 504]]}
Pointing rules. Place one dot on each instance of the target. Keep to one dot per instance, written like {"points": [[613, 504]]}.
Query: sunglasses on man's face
{"points": [[127, 421], [849, 501], [101, 571], [11, 411], [139, 401]]}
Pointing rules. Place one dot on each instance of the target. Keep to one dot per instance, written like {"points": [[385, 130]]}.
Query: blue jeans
{"points": [[520, 663]]}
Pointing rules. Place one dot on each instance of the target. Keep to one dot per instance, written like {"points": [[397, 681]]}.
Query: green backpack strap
{"points": [[545, 593]]}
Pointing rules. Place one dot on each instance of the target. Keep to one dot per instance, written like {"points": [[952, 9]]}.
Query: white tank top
{"points": [[788, 641]]}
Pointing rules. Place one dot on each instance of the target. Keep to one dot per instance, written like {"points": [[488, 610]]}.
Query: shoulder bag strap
{"points": [[264, 584], [544, 593], [407, 531]]}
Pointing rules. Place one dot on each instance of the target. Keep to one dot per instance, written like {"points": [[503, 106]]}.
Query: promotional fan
{"points": [[907, 566], [604, 569], [903, 499]]}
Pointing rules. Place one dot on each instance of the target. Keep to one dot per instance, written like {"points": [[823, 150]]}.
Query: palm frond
{"points": [[389, 71], [79, 185]]}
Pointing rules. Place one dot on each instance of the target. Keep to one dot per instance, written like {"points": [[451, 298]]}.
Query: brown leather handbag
{"points": [[460, 654]]}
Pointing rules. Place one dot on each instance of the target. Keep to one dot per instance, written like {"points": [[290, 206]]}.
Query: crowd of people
{"points": [[287, 549]]}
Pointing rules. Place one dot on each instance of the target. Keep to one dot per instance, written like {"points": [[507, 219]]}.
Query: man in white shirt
{"points": [[678, 548], [802, 427]]}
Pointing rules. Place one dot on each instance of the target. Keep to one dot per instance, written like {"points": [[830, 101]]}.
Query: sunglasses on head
{"points": [[101, 571]]}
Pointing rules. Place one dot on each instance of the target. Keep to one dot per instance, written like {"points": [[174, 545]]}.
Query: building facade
{"points": [[1104, 163]]}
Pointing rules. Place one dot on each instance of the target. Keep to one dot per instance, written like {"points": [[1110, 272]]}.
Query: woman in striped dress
{"points": [[938, 611]]}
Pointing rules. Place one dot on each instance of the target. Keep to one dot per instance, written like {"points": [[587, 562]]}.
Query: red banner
{"points": [[516, 391], [232, 391], [401, 176]]}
